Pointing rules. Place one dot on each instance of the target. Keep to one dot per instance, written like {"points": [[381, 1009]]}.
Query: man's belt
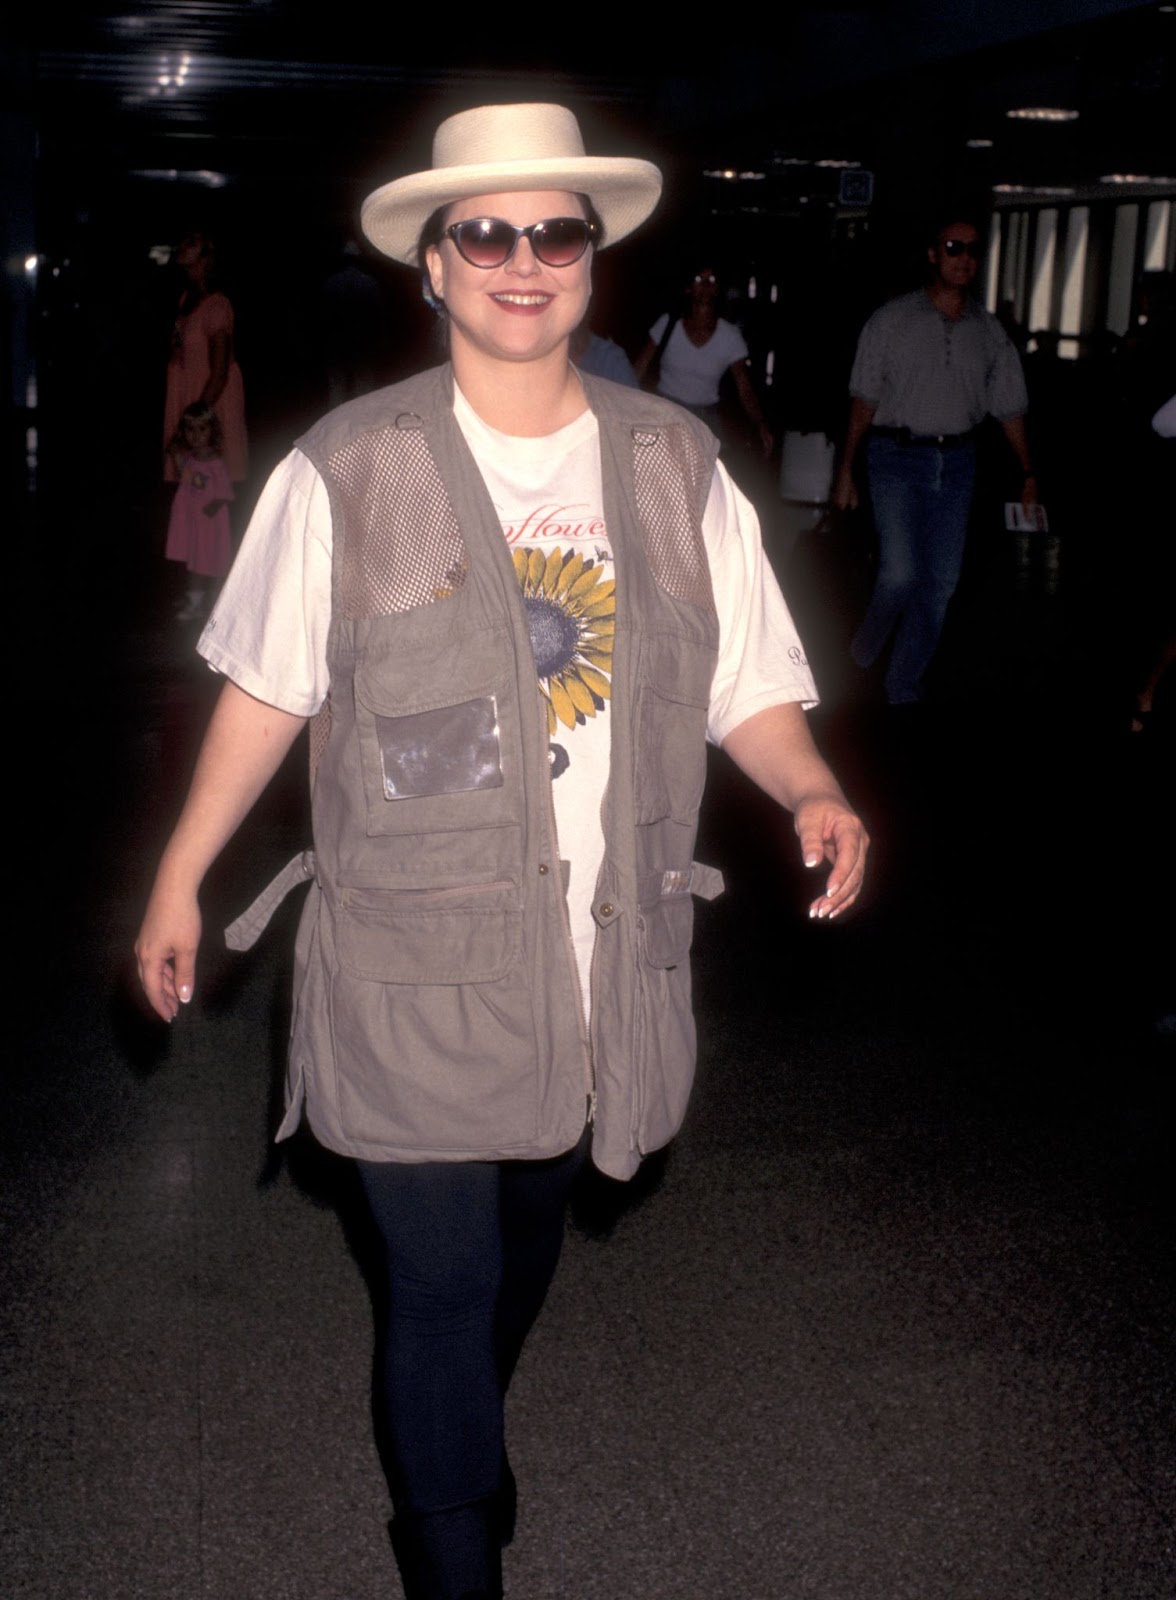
{"points": [[940, 441]]}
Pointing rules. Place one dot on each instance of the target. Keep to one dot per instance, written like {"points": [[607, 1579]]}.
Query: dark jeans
{"points": [[471, 1249], [922, 496]]}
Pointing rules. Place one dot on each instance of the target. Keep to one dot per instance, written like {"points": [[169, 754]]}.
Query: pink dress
{"points": [[187, 373], [194, 537]]}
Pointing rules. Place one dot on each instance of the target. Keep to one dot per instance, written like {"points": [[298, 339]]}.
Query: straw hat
{"points": [[503, 149]]}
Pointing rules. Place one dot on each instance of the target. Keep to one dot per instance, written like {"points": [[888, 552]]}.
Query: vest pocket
{"points": [[438, 735], [666, 929], [672, 704], [430, 936], [432, 1020], [665, 1043]]}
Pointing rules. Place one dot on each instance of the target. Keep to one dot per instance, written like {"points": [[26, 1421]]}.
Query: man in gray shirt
{"points": [[930, 366]]}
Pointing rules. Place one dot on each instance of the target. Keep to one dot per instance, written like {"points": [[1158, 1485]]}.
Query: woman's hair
{"points": [[433, 232], [198, 413]]}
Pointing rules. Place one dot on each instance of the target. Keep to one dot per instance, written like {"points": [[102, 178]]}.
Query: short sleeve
{"points": [[1164, 421], [1007, 395], [761, 659], [659, 327], [867, 380], [735, 345], [216, 314], [268, 631]]}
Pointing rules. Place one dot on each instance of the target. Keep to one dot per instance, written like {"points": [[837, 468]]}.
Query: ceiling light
{"points": [[980, 144], [1042, 114], [1042, 191]]}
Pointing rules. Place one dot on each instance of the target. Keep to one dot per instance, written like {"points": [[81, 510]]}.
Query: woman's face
{"points": [[190, 251], [703, 286], [522, 310]]}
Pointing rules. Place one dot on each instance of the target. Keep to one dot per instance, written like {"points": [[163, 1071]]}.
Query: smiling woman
{"points": [[516, 600], [514, 272]]}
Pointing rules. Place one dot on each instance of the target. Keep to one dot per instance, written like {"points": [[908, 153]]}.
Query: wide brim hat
{"points": [[502, 150]]}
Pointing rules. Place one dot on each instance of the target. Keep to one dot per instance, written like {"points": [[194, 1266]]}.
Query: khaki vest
{"points": [[437, 1012]]}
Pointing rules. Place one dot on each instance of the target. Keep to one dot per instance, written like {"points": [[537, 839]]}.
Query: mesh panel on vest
{"points": [[402, 546], [672, 478], [320, 733]]}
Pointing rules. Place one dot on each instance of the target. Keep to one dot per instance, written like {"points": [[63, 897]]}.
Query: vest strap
{"points": [[244, 933]]}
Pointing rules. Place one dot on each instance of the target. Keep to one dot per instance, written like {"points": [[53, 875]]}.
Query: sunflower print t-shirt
{"points": [[548, 495], [269, 629]]}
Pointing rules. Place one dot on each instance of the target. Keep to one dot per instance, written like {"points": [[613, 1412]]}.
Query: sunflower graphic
{"points": [[571, 613]]}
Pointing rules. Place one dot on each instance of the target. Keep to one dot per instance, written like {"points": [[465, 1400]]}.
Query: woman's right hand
{"points": [[166, 948], [245, 745]]}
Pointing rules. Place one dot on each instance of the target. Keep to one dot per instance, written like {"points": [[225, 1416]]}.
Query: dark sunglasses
{"points": [[490, 242], [962, 247]]}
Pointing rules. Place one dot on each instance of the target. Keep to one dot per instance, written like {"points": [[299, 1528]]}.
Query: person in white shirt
{"points": [[701, 348]]}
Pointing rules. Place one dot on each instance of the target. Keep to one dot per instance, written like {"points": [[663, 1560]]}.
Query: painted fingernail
{"points": [[811, 861], [185, 993], [812, 912]]}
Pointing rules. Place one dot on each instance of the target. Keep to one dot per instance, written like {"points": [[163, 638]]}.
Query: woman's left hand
{"points": [[829, 830], [775, 748]]}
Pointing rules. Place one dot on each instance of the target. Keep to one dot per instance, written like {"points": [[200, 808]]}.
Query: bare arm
{"points": [[243, 748], [1014, 432], [861, 416], [775, 749], [220, 354], [642, 363], [749, 400]]}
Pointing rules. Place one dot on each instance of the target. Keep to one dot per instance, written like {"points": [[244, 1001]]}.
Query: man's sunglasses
{"points": [[962, 247], [490, 242]]}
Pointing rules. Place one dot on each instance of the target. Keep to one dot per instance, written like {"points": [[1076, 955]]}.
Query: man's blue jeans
{"points": [[922, 496]]}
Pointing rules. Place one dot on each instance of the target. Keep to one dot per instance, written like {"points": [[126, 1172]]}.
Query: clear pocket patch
{"points": [[449, 750]]}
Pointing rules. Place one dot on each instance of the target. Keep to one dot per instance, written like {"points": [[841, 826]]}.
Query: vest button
{"points": [[543, 869], [607, 909]]}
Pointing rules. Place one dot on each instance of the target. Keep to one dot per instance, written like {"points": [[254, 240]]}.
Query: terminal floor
{"points": [[894, 1318]]}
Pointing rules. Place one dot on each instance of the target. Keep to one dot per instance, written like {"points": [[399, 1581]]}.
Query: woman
{"points": [[201, 367], [701, 347], [472, 1012]]}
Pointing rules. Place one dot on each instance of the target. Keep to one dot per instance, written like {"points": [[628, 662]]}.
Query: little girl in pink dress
{"points": [[198, 529]]}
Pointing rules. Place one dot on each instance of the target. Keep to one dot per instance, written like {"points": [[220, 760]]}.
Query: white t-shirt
{"points": [[691, 373], [268, 631]]}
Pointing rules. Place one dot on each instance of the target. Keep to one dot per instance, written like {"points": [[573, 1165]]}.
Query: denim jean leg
{"points": [[471, 1249], [938, 535], [897, 499], [438, 1387]]}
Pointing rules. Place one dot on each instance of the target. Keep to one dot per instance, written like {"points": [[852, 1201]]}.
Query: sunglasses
{"points": [[490, 242], [962, 247]]}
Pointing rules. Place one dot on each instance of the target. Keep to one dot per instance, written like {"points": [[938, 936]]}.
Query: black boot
{"points": [[449, 1555], [506, 1502]]}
